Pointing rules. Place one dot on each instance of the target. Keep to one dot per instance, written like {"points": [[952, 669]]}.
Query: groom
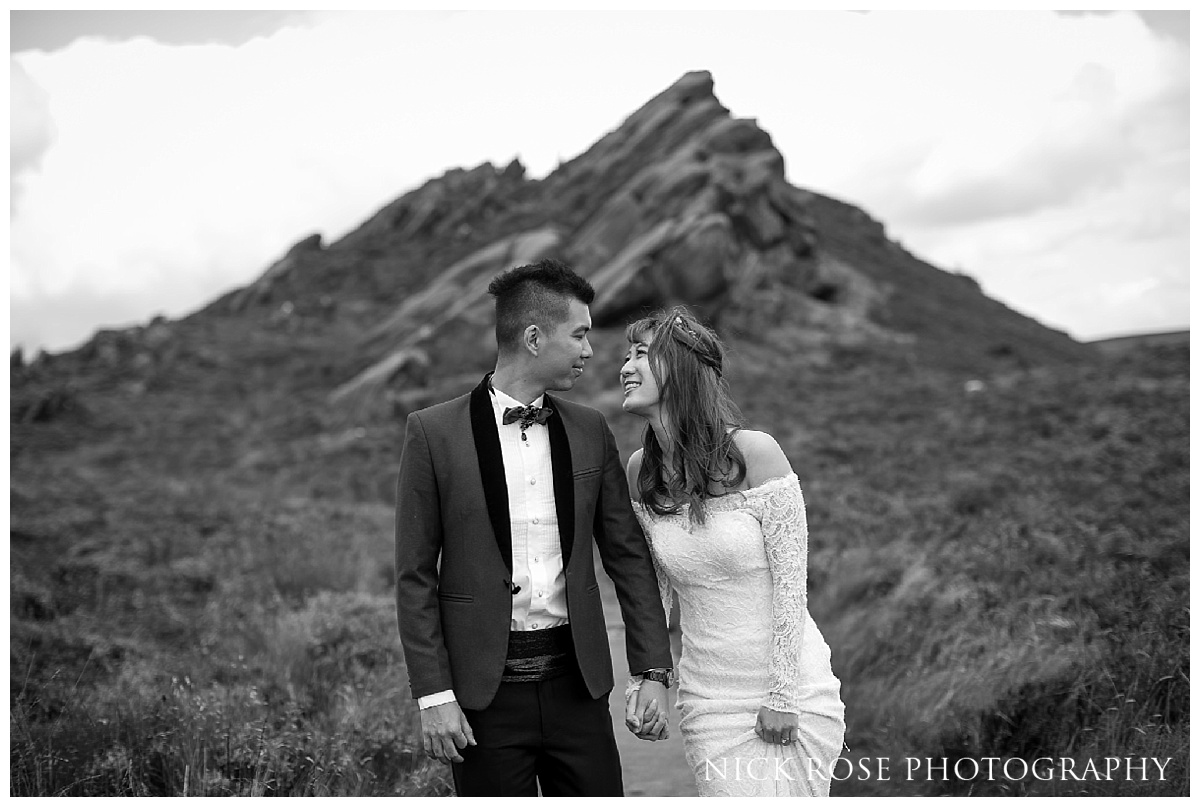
{"points": [[500, 494]]}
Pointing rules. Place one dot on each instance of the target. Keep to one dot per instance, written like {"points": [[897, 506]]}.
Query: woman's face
{"points": [[637, 380]]}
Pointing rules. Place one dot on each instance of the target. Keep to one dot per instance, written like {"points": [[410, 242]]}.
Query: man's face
{"points": [[562, 351]]}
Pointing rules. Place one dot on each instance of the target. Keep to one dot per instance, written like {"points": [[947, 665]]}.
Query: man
{"points": [[496, 592]]}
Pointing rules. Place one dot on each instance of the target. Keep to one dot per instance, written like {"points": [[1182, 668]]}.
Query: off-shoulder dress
{"points": [[748, 641]]}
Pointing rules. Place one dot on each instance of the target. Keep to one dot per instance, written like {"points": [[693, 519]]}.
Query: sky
{"points": [[161, 158]]}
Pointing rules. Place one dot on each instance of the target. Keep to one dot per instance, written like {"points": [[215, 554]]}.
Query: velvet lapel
{"points": [[564, 479], [491, 468]]}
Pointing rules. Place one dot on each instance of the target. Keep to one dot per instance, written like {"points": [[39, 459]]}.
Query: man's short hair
{"points": [[535, 294]]}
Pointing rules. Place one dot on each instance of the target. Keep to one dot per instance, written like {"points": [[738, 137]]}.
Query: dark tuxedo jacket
{"points": [[454, 549]]}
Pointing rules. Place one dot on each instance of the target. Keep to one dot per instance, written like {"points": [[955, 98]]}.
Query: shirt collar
{"points": [[503, 400]]}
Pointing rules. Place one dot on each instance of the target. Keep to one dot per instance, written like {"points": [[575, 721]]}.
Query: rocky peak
{"points": [[681, 203]]}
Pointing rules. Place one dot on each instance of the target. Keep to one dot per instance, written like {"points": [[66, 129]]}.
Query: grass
{"points": [[200, 593], [1019, 586], [287, 693], [184, 637]]}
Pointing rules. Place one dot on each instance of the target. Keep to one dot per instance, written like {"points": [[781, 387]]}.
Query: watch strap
{"points": [[662, 675]]}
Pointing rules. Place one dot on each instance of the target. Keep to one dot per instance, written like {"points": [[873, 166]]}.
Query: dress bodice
{"points": [[740, 578], [748, 641]]}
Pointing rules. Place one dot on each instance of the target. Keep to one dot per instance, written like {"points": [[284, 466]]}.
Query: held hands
{"points": [[778, 728], [444, 730], [646, 711]]}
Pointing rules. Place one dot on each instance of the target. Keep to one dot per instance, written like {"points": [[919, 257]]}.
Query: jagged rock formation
{"points": [[681, 203], [260, 291]]}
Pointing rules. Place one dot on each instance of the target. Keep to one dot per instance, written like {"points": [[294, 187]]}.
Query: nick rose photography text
{"points": [[942, 769]]}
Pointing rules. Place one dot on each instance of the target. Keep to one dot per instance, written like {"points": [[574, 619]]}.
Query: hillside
{"points": [[1117, 345], [201, 519]]}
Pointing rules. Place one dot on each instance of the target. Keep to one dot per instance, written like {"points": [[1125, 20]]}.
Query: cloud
{"points": [[177, 172], [31, 128], [1064, 187], [1116, 262], [70, 317], [1105, 96], [52, 30], [1171, 24]]}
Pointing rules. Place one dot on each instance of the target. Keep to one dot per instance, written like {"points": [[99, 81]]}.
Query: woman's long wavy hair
{"points": [[687, 360]]}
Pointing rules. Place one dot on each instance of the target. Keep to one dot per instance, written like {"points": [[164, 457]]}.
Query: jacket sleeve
{"points": [[418, 546], [626, 558]]}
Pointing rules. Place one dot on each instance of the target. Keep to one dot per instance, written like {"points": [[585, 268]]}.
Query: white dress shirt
{"points": [[537, 556]]}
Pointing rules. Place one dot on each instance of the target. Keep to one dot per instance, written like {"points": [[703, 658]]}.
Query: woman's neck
{"points": [[670, 474], [664, 441]]}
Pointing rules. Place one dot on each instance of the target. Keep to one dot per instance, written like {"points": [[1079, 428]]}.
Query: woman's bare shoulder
{"points": [[764, 457], [632, 468]]}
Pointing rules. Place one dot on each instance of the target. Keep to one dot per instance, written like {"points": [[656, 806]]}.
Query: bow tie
{"points": [[528, 415]]}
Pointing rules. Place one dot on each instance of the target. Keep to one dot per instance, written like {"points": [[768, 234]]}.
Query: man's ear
{"points": [[531, 339]]}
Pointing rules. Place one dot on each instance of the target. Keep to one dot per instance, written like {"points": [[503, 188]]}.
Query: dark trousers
{"points": [[550, 733]]}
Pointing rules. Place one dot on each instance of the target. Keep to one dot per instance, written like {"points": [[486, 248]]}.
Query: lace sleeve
{"points": [[785, 535]]}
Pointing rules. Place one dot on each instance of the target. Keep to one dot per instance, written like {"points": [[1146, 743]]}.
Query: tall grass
{"points": [[201, 602], [1019, 586], [289, 679]]}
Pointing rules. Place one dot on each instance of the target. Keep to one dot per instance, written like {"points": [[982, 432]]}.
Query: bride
{"points": [[760, 709]]}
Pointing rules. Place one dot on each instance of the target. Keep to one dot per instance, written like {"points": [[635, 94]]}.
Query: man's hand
{"points": [[646, 712], [778, 728], [444, 730]]}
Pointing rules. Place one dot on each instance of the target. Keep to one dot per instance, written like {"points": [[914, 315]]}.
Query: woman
{"points": [[759, 705]]}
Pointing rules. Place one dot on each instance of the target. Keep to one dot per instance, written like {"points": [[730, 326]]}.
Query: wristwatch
{"points": [[663, 675]]}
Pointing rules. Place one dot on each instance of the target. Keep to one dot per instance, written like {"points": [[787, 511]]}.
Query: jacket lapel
{"points": [[491, 468], [564, 480]]}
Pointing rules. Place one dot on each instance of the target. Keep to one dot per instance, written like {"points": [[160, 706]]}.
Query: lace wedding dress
{"points": [[748, 642]]}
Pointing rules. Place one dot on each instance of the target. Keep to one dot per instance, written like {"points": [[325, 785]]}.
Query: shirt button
{"points": [[541, 594], [533, 481], [535, 624], [535, 521], [537, 560]]}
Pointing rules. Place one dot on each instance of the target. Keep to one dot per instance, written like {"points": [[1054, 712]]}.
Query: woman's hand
{"points": [[649, 698], [778, 728]]}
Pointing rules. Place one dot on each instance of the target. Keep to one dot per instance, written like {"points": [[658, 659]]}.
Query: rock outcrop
{"points": [[682, 203], [265, 289]]}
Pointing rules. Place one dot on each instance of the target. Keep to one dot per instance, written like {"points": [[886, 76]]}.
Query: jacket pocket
{"points": [[591, 588], [446, 595], [586, 472]]}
